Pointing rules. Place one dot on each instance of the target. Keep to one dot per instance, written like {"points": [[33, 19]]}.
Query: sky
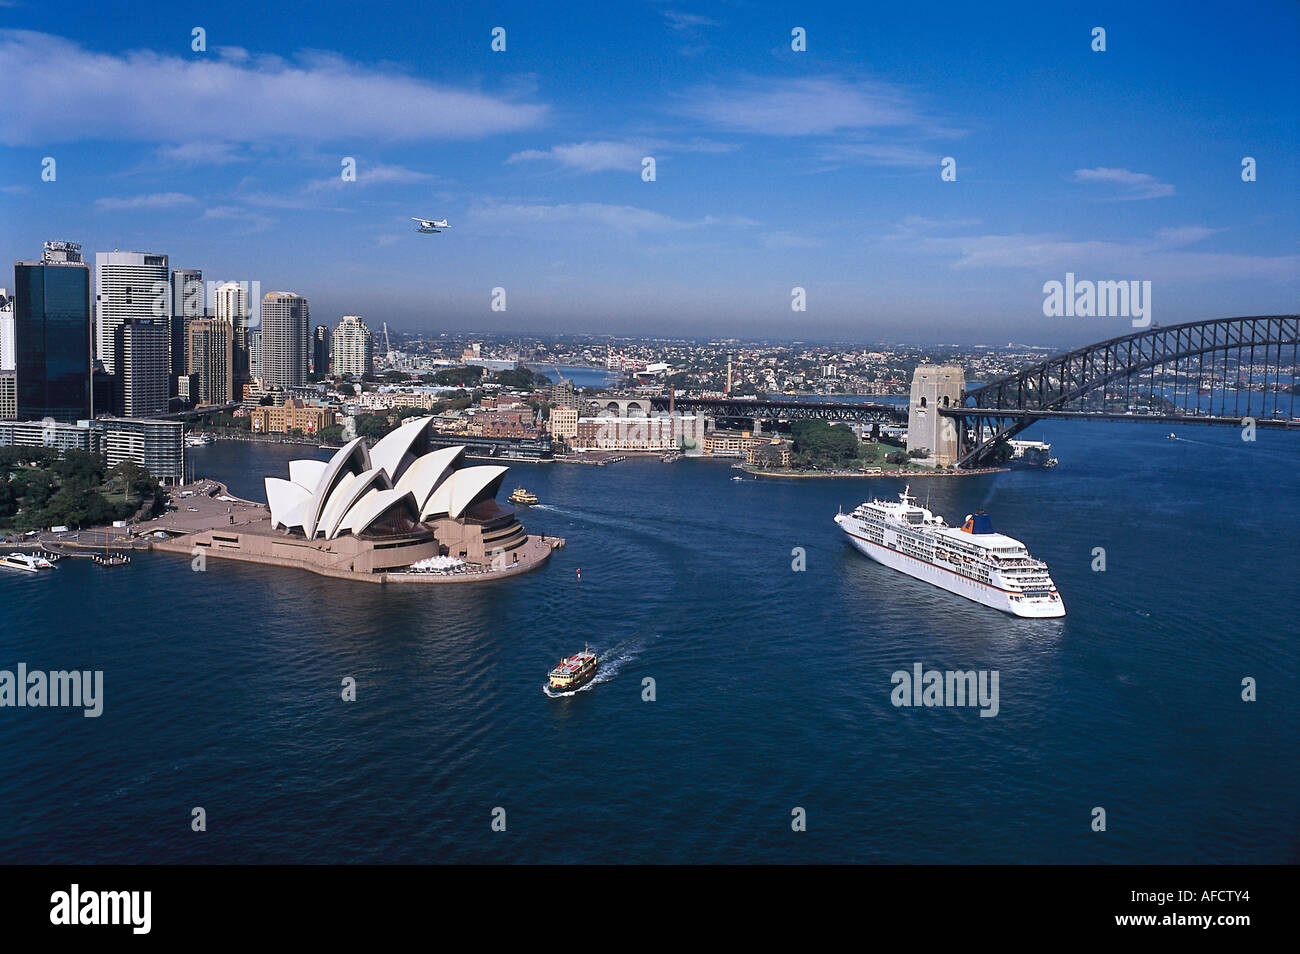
{"points": [[775, 169]]}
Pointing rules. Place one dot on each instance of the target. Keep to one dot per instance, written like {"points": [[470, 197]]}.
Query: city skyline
{"points": [[775, 169]]}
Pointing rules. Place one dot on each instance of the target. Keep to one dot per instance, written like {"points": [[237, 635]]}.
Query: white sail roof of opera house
{"points": [[424, 475], [398, 449], [351, 457], [376, 504], [462, 488], [331, 522], [357, 486]]}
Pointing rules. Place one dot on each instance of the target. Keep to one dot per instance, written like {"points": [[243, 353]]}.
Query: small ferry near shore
{"points": [[575, 672], [27, 562], [972, 560], [522, 496]]}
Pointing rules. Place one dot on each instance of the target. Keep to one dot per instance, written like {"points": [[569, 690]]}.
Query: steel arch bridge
{"points": [[1211, 372]]}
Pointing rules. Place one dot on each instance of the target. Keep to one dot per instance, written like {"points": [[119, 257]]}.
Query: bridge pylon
{"points": [[935, 386]]}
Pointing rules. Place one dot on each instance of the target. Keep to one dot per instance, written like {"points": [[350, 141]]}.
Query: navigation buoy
{"points": [[579, 574]]}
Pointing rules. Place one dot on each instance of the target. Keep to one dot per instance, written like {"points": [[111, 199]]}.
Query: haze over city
{"points": [[774, 168]]}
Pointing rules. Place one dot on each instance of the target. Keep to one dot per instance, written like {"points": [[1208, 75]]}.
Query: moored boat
{"points": [[20, 561]]}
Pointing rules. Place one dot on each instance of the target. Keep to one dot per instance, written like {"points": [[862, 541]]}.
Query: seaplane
{"points": [[430, 225]]}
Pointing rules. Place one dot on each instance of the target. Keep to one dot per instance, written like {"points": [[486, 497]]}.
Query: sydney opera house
{"points": [[383, 514]]}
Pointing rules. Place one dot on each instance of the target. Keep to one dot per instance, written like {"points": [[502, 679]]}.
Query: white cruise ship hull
{"points": [[987, 594]]}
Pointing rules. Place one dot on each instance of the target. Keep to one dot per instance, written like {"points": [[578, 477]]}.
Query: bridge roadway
{"points": [[770, 409]]}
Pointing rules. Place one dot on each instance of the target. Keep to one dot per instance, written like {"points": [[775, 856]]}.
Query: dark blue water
{"points": [[773, 686]]}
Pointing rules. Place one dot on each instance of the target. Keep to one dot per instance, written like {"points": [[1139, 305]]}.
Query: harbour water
{"points": [[222, 688]]}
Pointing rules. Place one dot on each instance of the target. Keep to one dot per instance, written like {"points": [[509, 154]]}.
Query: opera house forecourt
{"points": [[401, 511]]}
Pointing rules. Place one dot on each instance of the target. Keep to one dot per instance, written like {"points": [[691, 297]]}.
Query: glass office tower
{"points": [[53, 337]]}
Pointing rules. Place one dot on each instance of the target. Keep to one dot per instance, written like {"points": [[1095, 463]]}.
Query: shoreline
{"points": [[858, 475]]}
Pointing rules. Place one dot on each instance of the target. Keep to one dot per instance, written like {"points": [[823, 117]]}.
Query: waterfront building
{"points": [[211, 361], [320, 351], [293, 415], [60, 436], [658, 432], [159, 446], [129, 287], [353, 348], [563, 423], [381, 513], [285, 339], [729, 443], [773, 452], [52, 335]]}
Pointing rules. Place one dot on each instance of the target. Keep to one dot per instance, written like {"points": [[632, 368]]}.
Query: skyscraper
{"points": [[255, 353], [353, 347], [142, 358], [8, 379], [285, 335], [232, 306], [187, 305], [320, 351], [129, 286], [53, 335], [211, 351]]}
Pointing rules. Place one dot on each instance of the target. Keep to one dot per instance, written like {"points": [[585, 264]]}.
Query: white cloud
{"points": [[58, 91], [627, 219], [687, 21], [369, 174], [623, 156], [1131, 185], [882, 154], [156, 200], [595, 156], [1161, 257], [805, 107], [214, 153]]}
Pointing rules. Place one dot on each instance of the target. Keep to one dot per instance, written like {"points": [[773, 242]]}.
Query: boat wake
{"points": [[611, 661]]}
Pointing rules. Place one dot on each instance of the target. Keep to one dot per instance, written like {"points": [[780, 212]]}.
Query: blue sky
{"points": [[775, 168]]}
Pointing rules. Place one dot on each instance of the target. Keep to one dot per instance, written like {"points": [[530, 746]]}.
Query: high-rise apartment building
{"points": [[353, 347], [286, 323], [52, 332], [231, 303], [211, 351], [320, 351], [255, 354]]}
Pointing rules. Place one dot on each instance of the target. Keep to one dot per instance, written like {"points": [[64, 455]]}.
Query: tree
{"points": [[468, 375], [373, 426]]}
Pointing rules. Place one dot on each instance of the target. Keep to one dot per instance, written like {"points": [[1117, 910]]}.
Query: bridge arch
{"points": [[1243, 360]]}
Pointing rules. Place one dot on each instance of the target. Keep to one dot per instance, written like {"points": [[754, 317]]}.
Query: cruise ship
{"points": [[972, 560]]}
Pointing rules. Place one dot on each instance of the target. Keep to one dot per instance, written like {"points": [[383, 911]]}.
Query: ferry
{"points": [[575, 672], [972, 560], [23, 561], [197, 440], [521, 496]]}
